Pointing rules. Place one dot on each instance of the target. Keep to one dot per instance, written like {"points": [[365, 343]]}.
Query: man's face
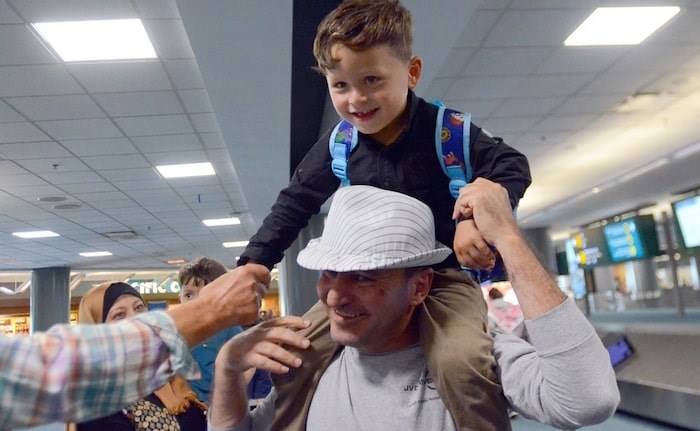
{"points": [[370, 310]]}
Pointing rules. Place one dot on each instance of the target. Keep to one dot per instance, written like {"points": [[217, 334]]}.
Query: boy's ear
{"points": [[422, 280], [415, 67]]}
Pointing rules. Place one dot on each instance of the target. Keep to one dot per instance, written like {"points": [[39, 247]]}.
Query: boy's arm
{"points": [[493, 159], [311, 185]]}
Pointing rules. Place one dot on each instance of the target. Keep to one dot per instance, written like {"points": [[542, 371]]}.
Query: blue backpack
{"points": [[451, 146]]}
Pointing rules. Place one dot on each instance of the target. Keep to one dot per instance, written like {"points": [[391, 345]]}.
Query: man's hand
{"points": [[237, 295], [470, 248], [262, 347]]}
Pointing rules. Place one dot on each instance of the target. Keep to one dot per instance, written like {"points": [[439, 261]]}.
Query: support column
{"points": [[297, 285], [49, 298]]}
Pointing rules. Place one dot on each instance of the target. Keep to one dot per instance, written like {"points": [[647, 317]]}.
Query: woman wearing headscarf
{"points": [[173, 406]]}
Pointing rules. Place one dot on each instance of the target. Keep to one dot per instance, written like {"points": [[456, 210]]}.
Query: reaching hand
{"points": [[262, 347], [237, 294]]}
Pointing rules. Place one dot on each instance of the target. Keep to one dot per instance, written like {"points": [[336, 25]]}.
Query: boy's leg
{"points": [[459, 354], [296, 388]]}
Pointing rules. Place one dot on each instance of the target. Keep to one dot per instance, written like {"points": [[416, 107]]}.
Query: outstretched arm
{"points": [[258, 347]]}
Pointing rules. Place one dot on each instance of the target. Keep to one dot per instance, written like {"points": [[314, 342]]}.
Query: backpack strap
{"points": [[452, 146], [341, 143]]}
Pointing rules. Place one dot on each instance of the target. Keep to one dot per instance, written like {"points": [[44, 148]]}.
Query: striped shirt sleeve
{"points": [[75, 373]]}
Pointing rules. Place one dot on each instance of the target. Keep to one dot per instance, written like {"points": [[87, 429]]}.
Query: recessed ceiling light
{"points": [[35, 234], [186, 170], [234, 244], [620, 25], [96, 254], [221, 221], [118, 39]]}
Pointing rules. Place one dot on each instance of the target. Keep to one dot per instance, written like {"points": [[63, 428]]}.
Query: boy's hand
{"points": [[470, 248]]}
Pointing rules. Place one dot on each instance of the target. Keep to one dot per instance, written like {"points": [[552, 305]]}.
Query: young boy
{"points": [[193, 276], [364, 49]]}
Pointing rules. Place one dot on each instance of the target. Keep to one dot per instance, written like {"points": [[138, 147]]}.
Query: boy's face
{"points": [[369, 89], [190, 292]]}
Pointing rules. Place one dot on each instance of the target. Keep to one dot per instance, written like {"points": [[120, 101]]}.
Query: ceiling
{"points": [[232, 85]]}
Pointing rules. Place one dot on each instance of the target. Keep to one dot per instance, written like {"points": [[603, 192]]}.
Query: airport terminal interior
{"points": [[96, 147]]}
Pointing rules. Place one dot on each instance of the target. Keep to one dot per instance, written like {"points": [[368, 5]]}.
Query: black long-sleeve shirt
{"points": [[410, 165]]}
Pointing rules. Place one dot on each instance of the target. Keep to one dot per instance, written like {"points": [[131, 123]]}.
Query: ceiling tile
{"points": [[57, 107], [80, 129], [87, 178], [170, 39], [19, 47], [98, 147], [479, 26], [527, 106], [547, 27], [195, 101], [168, 143], [455, 62], [184, 74], [589, 104], [485, 87], [505, 61], [9, 115], [8, 16], [125, 161], [204, 123], [143, 103], [20, 132], [111, 77], [618, 83], [155, 125], [36, 81], [64, 164], [576, 59], [118, 173], [552, 85], [654, 57], [33, 150]]}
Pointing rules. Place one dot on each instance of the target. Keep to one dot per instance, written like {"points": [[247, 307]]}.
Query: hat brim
{"points": [[317, 257]]}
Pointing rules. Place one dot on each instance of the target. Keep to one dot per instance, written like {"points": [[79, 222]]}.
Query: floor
{"points": [[619, 422]]}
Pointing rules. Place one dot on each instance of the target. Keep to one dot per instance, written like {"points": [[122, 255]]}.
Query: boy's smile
{"points": [[369, 88]]}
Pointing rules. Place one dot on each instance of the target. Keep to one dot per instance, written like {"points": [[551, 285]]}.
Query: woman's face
{"points": [[125, 306]]}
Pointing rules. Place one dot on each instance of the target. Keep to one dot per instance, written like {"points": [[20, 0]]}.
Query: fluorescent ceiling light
{"points": [[234, 244], [221, 221], [96, 254], [186, 170], [620, 25], [35, 234], [118, 39]]}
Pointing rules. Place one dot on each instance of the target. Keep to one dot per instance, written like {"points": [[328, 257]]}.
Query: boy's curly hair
{"points": [[201, 271], [364, 24]]}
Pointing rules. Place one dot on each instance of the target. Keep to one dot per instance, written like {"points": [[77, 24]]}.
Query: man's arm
{"points": [[565, 377], [87, 371], [258, 347], [75, 373]]}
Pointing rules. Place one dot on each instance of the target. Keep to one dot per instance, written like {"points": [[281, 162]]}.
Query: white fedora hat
{"points": [[369, 228]]}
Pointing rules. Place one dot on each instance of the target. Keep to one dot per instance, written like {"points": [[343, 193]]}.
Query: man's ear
{"points": [[422, 280]]}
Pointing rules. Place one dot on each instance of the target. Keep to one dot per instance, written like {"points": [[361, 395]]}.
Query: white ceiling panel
{"points": [[80, 129], [128, 76], [546, 27], [527, 106], [95, 147], [577, 59], [552, 85], [116, 173], [195, 101], [33, 150], [9, 115], [479, 25], [485, 87], [167, 143], [505, 61], [20, 47], [41, 80], [142, 103], [172, 42], [20, 132], [37, 108], [66, 10], [62, 164], [155, 125], [99, 163]]}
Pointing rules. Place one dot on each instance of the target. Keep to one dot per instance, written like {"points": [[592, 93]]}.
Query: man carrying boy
{"points": [[364, 49], [374, 258]]}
